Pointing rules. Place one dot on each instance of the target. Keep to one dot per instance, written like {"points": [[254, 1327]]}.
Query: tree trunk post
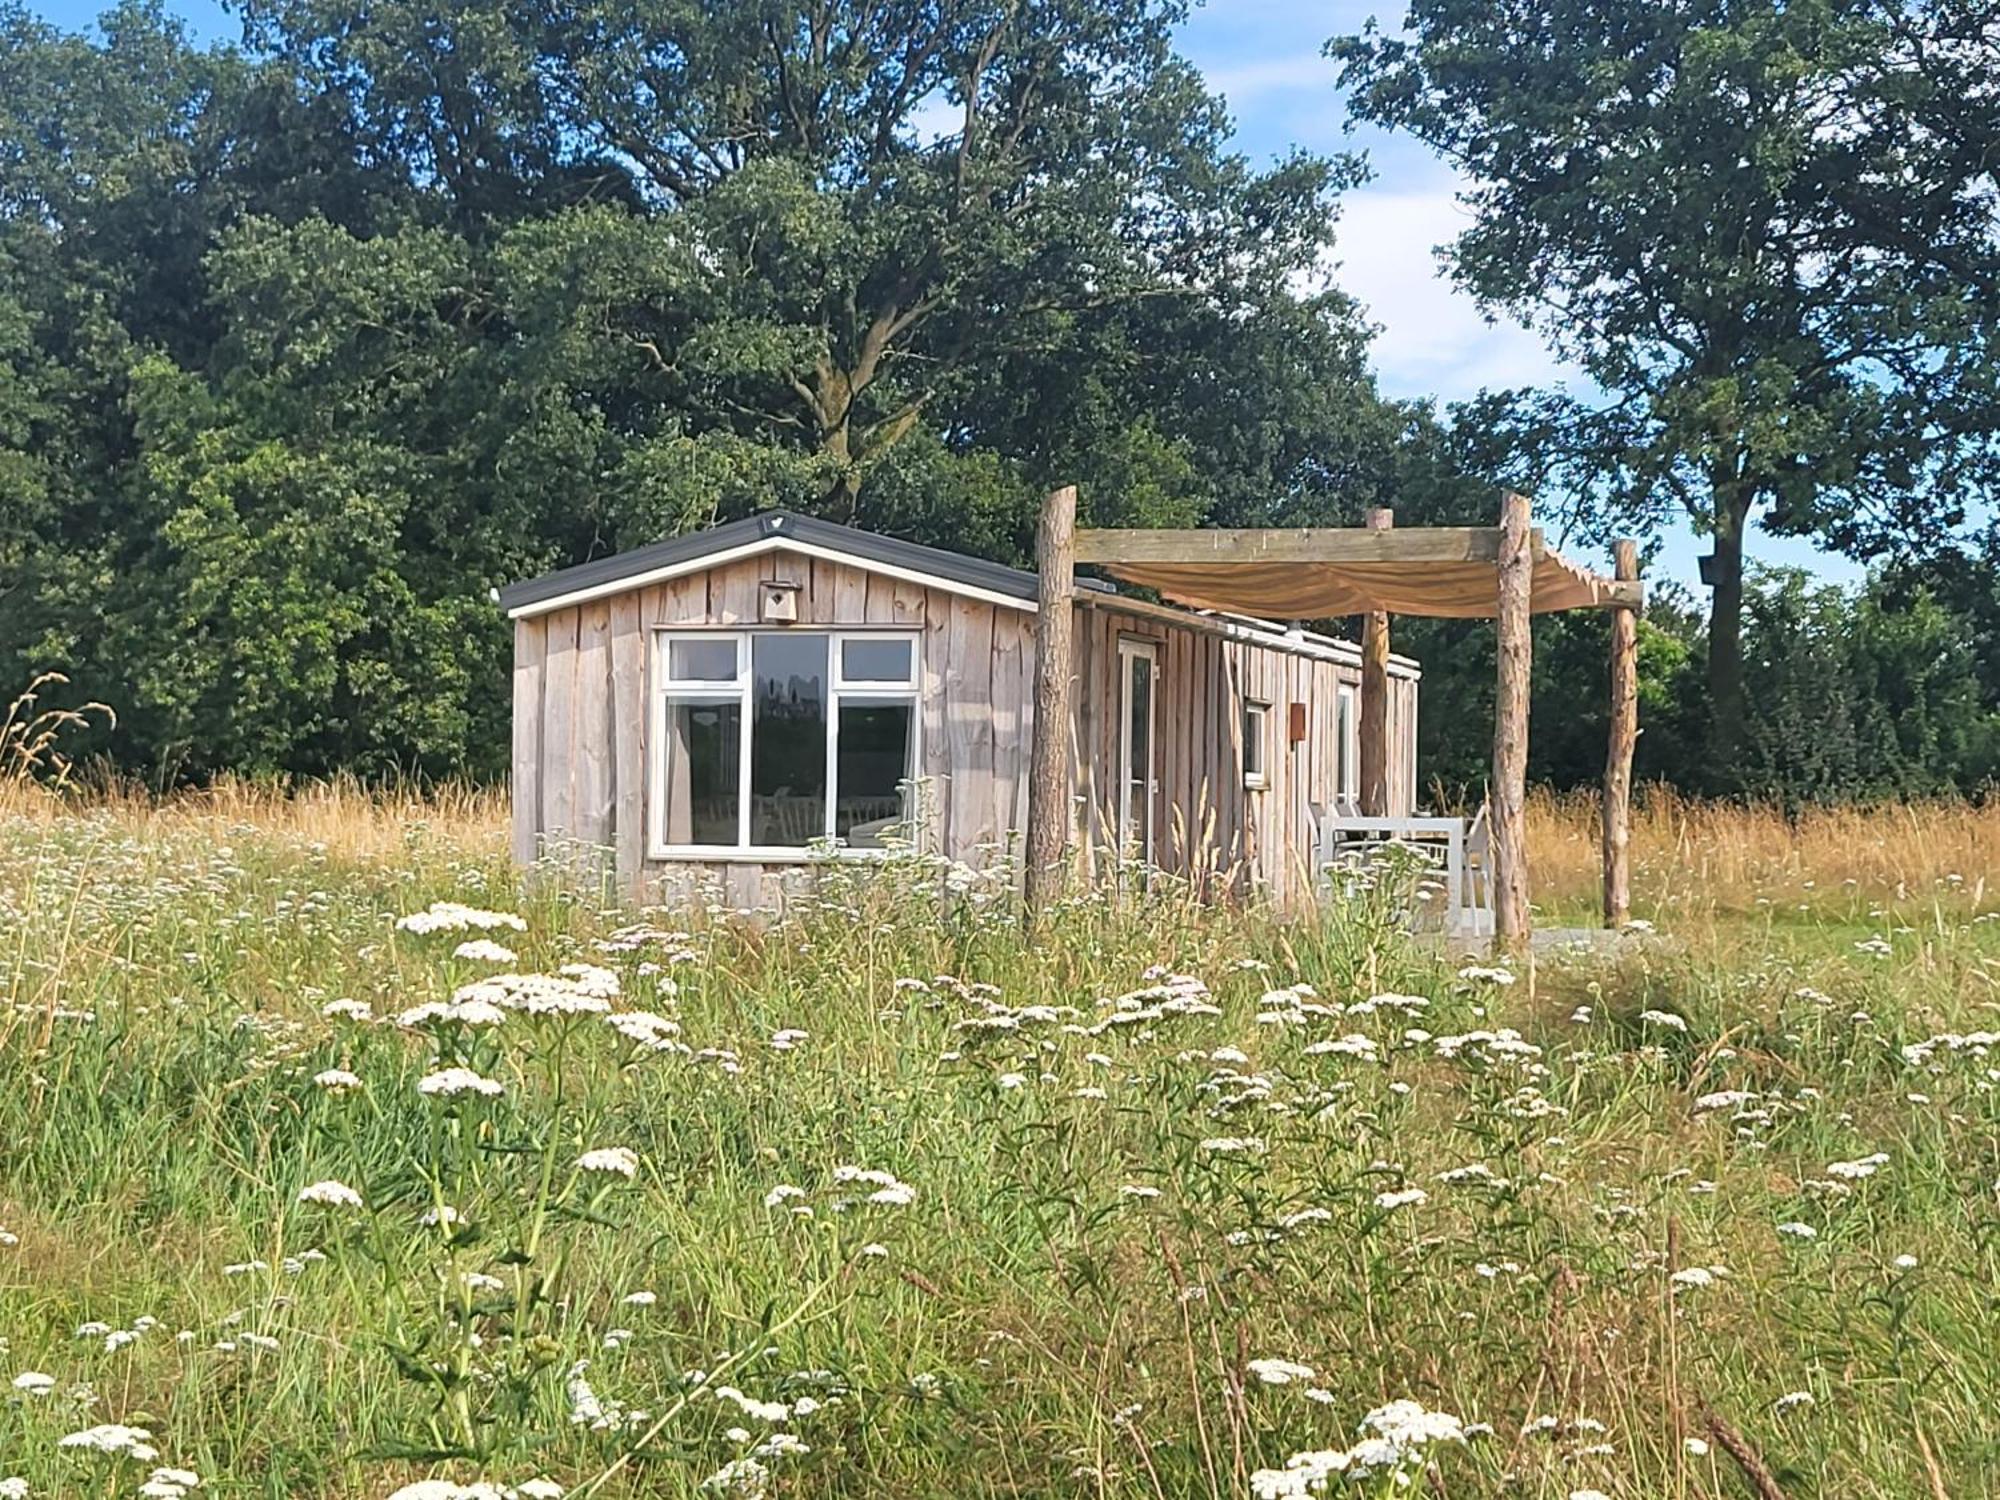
{"points": [[1049, 780], [1510, 727], [1375, 695], [1618, 753]]}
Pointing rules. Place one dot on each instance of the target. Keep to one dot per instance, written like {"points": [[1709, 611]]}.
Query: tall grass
{"points": [[1189, 1191]]}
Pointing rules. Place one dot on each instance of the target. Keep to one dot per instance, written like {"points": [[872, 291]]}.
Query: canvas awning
{"points": [[1445, 573]]}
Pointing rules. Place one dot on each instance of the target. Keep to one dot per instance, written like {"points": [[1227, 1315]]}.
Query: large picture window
{"points": [[770, 740]]}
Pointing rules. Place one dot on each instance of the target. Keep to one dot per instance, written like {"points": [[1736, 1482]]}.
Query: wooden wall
{"points": [[580, 753], [1208, 824]]}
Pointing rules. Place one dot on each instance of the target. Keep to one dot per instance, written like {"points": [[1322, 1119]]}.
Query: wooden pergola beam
{"points": [[1299, 544]]}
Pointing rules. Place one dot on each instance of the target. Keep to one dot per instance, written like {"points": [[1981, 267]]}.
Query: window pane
{"points": [[1253, 740], [701, 661], [704, 757], [788, 740], [874, 762], [875, 661]]}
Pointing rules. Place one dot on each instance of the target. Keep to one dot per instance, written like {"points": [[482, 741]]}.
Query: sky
{"points": [[1264, 57]]}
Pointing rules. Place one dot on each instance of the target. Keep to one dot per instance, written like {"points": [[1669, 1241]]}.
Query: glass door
{"points": [[1138, 674]]}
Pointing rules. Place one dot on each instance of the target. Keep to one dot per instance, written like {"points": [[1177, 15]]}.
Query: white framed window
{"points": [[1256, 743], [1346, 746], [767, 741]]}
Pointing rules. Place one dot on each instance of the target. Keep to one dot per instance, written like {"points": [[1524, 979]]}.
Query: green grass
{"points": [[1024, 1325]]}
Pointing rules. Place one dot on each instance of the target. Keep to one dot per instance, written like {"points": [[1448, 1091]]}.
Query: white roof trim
{"points": [[779, 543]]}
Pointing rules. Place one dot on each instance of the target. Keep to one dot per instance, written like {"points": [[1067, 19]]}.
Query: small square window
{"points": [[1256, 722], [702, 661], [865, 659]]}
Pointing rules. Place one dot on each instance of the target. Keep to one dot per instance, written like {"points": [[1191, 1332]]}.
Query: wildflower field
{"points": [[334, 1163]]}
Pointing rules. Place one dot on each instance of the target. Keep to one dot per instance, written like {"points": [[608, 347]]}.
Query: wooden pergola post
{"points": [[1510, 726], [1375, 694], [1050, 792], [1618, 754]]}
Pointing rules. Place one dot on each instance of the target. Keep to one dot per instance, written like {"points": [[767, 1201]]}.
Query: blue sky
{"points": [[1264, 57]]}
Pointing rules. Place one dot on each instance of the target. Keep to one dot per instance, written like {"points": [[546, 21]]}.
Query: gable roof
{"points": [[774, 531]]}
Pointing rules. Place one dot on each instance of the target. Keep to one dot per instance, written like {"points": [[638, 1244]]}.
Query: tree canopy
{"points": [[307, 345], [1764, 228]]}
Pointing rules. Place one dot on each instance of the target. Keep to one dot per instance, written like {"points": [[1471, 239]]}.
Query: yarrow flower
{"points": [[34, 1383], [113, 1438], [448, 1083], [483, 951], [452, 916], [1394, 1438], [1279, 1371], [337, 1081], [617, 1161], [169, 1484], [888, 1190], [330, 1194]]}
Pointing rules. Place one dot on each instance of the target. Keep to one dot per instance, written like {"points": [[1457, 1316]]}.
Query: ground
{"points": [[306, 1200]]}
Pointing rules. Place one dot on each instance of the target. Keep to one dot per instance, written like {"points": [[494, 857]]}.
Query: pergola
{"points": [[1505, 573]]}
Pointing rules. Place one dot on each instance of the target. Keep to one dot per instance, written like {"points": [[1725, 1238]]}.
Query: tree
{"points": [[908, 191], [1764, 228]]}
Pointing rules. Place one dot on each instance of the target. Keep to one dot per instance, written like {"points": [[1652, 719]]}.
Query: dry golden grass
{"points": [[350, 820], [1697, 858], [1691, 858]]}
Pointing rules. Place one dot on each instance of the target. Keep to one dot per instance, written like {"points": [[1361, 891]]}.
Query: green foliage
{"points": [[305, 348]]}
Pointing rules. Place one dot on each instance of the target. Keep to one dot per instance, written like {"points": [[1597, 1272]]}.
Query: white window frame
{"points": [[663, 692], [1257, 732], [1347, 749], [1131, 648]]}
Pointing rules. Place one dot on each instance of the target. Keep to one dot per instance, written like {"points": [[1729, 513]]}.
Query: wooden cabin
{"points": [[736, 703]]}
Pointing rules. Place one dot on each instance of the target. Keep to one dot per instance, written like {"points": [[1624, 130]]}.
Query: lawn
{"points": [[311, 1186]]}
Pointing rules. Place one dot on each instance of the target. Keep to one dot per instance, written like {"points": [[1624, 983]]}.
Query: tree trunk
{"points": [[1725, 638]]}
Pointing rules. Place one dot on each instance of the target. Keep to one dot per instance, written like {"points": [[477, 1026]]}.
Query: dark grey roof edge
{"points": [[863, 546]]}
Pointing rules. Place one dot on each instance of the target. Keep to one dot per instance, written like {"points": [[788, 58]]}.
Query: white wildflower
{"points": [[114, 1438], [1279, 1371], [330, 1194], [337, 1081], [618, 1161], [483, 951], [448, 1083], [452, 916]]}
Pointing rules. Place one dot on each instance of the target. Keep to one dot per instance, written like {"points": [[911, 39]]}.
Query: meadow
{"points": [[335, 1162]]}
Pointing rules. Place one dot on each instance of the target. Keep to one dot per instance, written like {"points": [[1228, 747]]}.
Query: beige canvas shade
{"points": [[1457, 590]]}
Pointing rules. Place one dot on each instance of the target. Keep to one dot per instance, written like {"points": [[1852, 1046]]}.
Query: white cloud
{"points": [[1434, 341], [1247, 82]]}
